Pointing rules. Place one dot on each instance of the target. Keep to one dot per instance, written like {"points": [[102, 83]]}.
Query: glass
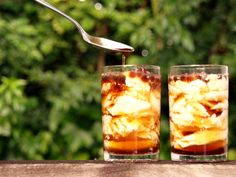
{"points": [[131, 112], [198, 108]]}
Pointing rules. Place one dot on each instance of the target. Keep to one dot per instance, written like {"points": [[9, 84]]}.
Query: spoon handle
{"points": [[44, 3]]}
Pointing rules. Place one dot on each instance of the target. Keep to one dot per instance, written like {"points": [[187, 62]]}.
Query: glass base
{"points": [[198, 158], [136, 157]]}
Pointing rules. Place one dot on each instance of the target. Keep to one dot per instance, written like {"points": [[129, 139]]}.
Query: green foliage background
{"points": [[49, 77]]}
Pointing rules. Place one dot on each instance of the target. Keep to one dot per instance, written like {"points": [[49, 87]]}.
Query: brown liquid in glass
{"points": [[130, 144], [212, 148]]}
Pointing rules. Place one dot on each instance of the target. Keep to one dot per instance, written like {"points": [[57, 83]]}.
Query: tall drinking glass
{"points": [[131, 112], [198, 107]]}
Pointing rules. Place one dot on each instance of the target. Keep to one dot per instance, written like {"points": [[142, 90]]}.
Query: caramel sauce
{"points": [[217, 112], [178, 97], [218, 147], [131, 146]]}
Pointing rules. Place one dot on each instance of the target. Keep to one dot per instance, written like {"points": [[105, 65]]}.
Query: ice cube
{"points": [[123, 126], [135, 83], [216, 95], [179, 106], [106, 121], [125, 105], [148, 135], [197, 109], [155, 102], [216, 84], [173, 90], [183, 119], [198, 85], [202, 137]]}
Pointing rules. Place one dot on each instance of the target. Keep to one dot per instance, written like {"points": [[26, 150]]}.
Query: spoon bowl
{"points": [[100, 42]]}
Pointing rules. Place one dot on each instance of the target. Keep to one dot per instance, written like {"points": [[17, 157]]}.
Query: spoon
{"points": [[96, 41]]}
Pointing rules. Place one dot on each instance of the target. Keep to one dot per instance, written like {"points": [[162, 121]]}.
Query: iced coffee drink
{"points": [[131, 112], [198, 105]]}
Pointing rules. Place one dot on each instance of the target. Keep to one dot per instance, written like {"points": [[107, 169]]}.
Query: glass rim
{"points": [[199, 66], [132, 65]]}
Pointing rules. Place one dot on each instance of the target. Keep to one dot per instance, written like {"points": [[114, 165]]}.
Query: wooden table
{"points": [[115, 169]]}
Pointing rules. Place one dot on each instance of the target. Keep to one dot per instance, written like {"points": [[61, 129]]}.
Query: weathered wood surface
{"points": [[114, 169]]}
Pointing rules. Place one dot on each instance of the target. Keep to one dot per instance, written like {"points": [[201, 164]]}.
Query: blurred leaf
{"points": [[232, 154]]}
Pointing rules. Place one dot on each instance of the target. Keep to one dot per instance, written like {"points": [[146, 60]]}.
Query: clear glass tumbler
{"points": [[198, 109], [131, 112]]}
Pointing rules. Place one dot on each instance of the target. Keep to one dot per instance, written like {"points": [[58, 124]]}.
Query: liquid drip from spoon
{"points": [[123, 59], [124, 56]]}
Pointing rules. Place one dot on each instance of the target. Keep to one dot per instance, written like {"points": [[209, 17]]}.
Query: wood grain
{"points": [[114, 169]]}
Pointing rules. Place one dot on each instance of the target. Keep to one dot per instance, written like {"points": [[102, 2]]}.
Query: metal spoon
{"points": [[97, 41]]}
